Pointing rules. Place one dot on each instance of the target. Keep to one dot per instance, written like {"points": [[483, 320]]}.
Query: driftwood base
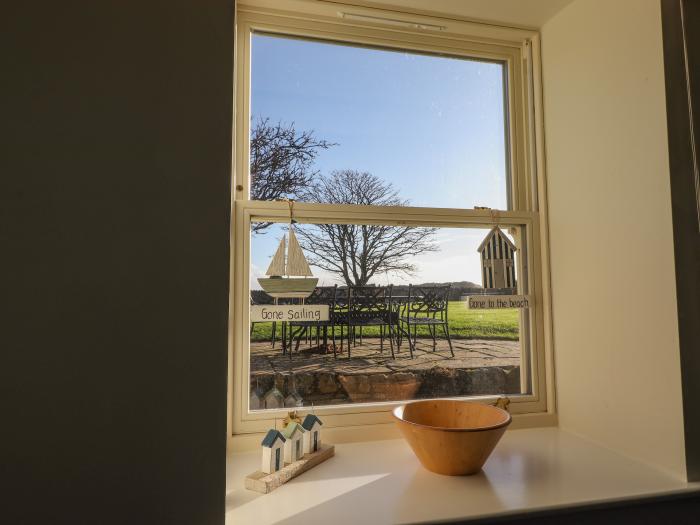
{"points": [[262, 482]]}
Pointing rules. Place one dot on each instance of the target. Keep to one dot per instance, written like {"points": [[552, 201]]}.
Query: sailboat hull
{"points": [[290, 287]]}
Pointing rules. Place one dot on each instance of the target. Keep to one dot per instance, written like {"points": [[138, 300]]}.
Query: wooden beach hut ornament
{"points": [[293, 458], [256, 401], [289, 274], [312, 434], [294, 445], [497, 261], [274, 398], [294, 399], [272, 449]]}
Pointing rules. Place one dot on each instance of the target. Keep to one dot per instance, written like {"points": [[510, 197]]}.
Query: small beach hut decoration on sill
{"points": [[272, 451], [294, 399], [497, 261], [285, 456], [257, 398], [273, 398], [294, 445], [255, 403], [289, 274], [312, 434]]}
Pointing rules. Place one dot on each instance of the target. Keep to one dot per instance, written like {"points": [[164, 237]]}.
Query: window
{"points": [[371, 110], [383, 176]]}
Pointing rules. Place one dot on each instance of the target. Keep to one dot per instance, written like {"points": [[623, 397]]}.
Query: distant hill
{"points": [[456, 284], [457, 290]]}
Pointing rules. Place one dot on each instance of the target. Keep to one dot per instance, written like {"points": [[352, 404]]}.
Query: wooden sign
{"points": [[261, 313], [489, 302]]}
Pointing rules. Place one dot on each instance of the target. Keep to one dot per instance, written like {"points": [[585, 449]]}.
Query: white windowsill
{"points": [[382, 482]]}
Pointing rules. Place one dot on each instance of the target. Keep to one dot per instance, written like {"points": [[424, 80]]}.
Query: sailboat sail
{"points": [[276, 267], [290, 279], [296, 262]]}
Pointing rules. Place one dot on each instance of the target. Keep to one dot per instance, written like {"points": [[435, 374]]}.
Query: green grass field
{"points": [[464, 324]]}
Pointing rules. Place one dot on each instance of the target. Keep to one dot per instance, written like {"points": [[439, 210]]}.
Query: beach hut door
{"points": [[315, 441], [498, 275], [277, 459]]}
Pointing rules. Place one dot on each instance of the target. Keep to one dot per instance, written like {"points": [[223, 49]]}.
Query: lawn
{"points": [[464, 324]]}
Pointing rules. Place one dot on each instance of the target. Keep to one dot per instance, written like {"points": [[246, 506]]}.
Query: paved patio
{"points": [[370, 374], [368, 358]]}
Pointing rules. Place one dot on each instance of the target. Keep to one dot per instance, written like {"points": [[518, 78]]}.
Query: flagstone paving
{"points": [[368, 358]]}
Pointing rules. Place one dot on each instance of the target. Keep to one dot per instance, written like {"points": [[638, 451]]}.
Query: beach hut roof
{"points": [[494, 231], [271, 437], [291, 429], [309, 421]]}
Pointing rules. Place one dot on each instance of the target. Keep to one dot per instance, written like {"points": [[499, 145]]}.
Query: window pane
{"points": [[387, 288], [424, 130]]}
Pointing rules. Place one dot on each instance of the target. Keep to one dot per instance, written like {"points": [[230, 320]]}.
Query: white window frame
{"points": [[518, 50]]}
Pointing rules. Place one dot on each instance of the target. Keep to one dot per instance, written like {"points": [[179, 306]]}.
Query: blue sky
{"points": [[432, 126]]}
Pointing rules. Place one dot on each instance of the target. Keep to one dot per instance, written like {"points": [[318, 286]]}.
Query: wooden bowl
{"points": [[452, 437]]}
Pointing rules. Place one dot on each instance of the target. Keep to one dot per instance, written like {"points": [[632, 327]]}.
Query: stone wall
{"points": [[326, 388]]}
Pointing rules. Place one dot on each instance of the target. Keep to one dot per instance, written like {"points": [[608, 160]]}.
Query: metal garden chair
{"points": [[371, 306], [425, 306]]}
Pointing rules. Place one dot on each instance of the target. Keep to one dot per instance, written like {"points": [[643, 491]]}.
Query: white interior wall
{"points": [[523, 13], [614, 301]]}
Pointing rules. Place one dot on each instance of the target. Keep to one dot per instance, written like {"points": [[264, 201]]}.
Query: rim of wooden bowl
{"points": [[452, 429]]}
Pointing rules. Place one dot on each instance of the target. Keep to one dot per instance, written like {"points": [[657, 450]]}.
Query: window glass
{"points": [[398, 325], [422, 130]]}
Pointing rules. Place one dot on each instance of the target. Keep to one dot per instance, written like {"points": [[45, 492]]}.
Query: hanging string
{"points": [[495, 214], [290, 202]]}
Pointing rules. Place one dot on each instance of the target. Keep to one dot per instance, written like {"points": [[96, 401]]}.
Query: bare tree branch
{"points": [[357, 252], [281, 162]]}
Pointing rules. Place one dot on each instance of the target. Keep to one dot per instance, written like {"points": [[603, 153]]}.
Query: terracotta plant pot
{"points": [[452, 437], [362, 388]]}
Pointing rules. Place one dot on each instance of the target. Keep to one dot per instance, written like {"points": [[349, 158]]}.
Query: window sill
{"points": [[380, 430], [382, 482]]}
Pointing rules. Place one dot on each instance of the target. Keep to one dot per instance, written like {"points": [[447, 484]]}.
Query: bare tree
{"points": [[281, 161], [357, 252]]}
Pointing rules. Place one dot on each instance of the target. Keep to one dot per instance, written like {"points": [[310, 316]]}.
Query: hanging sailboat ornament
{"points": [[289, 274]]}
